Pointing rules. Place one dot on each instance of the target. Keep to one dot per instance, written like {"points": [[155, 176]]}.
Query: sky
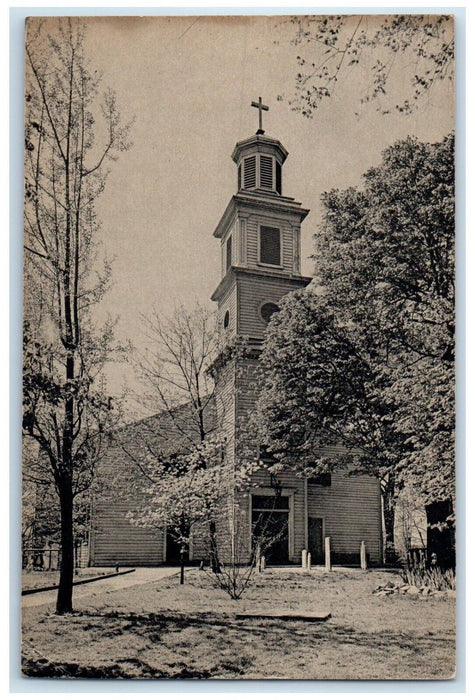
{"points": [[188, 82]]}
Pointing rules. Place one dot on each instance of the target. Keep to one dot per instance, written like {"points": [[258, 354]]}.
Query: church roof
{"points": [[172, 431], [259, 143], [159, 436]]}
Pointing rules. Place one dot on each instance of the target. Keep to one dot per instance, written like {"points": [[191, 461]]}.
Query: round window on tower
{"points": [[226, 319], [268, 310]]}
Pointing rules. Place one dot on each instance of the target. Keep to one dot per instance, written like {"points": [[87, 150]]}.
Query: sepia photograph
{"points": [[238, 427]]}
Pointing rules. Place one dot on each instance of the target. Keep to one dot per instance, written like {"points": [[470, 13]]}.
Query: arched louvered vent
{"points": [[250, 172], [266, 172]]}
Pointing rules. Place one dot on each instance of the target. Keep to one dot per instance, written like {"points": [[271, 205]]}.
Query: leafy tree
{"points": [[386, 260], [72, 135], [367, 356], [191, 493], [320, 389], [372, 47], [183, 491]]}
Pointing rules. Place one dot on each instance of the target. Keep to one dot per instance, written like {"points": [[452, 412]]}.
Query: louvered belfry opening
{"points": [[250, 172], [260, 172], [266, 172], [278, 177], [270, 245]]}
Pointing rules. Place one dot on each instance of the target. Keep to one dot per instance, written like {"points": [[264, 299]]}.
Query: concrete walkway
{"points": [[136, 578]]}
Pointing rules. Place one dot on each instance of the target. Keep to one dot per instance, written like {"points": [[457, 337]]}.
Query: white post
{"points": [[328, 564], [363, 555], [304, 558], [309, 561], [263, 563]]}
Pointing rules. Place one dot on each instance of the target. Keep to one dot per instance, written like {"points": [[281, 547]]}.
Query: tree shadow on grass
{"points": [[165, 628]]}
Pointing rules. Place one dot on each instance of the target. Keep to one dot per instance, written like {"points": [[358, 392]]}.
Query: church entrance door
{"points": [[173, 551], [315, 540], [270, 524]]}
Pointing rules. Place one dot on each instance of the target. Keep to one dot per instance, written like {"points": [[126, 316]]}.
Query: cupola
{"points": [[259, 160]]}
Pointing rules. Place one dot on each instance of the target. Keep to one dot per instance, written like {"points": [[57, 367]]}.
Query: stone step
{"points": [[318, 616]]}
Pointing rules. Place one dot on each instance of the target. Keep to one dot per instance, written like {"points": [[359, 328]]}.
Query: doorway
{"points": [[315, 540], [173, 551], [270, 522]]}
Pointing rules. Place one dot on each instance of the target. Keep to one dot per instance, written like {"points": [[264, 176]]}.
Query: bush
{"points": [[434, 578]]}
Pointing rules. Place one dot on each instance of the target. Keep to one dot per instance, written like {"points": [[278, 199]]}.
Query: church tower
{"points": [[260, 240], [259, 234]]}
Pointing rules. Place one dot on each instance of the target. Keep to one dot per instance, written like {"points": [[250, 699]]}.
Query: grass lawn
{"points": [[164, 630]]}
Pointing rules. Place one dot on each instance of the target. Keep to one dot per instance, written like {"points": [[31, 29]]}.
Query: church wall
{"points": [[252, 292], [225, 407], [226, 419], [228, 303], [114, 540], [233, 231], [351, 509]]}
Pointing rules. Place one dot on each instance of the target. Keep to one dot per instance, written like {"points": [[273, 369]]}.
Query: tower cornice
{"points": [[237, 271], [257, 200]]}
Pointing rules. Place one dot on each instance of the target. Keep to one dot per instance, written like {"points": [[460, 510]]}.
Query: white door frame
{"points": [[288, 493]]}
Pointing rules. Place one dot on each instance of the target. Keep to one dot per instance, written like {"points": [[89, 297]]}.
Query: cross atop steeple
{"points": [[261, 107]]}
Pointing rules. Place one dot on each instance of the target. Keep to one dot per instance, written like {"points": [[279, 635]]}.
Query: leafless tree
{"points": [[72, 135], [180, 350]]}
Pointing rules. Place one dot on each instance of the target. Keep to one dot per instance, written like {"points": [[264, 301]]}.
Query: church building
{"points": [[259, 235]]}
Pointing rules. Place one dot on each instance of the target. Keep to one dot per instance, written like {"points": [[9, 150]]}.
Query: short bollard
{"points": [[309, 561], [363, 561], [304, 558], [262, 563], [328, 563]]}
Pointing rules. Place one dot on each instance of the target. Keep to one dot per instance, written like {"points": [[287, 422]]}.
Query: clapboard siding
{"points": [[114, 540], [225, 407], [232, 231], [351, 508], [253, 291], [228, 303]]}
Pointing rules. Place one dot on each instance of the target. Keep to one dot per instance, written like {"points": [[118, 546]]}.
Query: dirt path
{"points": [[136, 578]]}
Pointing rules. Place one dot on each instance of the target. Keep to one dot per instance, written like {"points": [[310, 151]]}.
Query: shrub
{"points": [[433, 578]]}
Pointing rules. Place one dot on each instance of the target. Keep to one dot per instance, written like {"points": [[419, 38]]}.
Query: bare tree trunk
{"points": [[214, 558], [389, 518], [389, 515], [182, 566], [64, 602]]}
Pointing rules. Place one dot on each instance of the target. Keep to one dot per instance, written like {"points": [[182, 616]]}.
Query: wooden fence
{"points": [[49, 558]]}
